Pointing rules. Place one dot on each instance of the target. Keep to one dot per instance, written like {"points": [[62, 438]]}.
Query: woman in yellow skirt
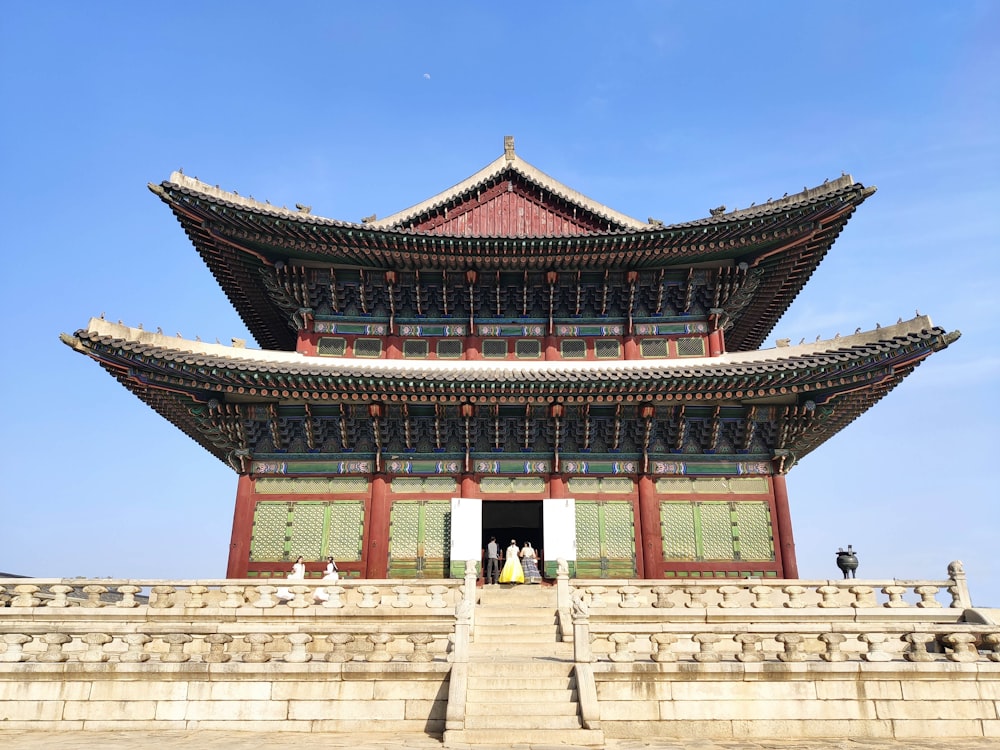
{"points": [[512, 571]]}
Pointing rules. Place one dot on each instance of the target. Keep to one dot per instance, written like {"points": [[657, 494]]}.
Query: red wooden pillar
{"points": [[557, 486], [715, 343], [469, 487], [377, 564], [239, 545], [631, 349], [783, 523], [648, 529]]}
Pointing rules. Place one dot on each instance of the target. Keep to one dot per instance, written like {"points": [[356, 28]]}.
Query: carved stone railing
{"points": [[941, 644], [764, 594], [779, 620], [173, 596], [139, 621]]}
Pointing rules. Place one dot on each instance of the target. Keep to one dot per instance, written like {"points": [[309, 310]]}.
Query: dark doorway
{"points": [[513, 519]]}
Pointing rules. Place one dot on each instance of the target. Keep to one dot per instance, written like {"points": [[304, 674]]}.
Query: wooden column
{"points": [[239, 545], [783, 526], [557, 486], [377, 564], [648, 529]]}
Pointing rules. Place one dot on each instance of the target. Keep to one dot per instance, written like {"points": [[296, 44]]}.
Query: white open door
{"points": [[466, 533], [559, 530]]}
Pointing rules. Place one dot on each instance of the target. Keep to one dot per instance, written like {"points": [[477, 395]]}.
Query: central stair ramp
{"points": [[521, 684]]}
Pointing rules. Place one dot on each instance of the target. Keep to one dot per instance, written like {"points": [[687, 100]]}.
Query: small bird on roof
{"points": [[857, 330]]}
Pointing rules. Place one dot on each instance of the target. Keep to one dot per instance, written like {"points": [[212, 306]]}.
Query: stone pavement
{"points": [[230, 740]]}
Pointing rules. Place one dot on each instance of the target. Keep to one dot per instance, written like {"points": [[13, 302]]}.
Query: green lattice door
{"points": [[716, 530], [284, 530], [419, 538], [605, 539]]}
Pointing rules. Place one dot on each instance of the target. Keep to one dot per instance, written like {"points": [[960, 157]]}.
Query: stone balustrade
{"points": [[297, 647], [761, 595], [172, 596], [183, 622], [970, 644]]}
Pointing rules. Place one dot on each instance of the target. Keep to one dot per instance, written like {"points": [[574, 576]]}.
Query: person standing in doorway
{"points": [[512, 571], [492, 561]]}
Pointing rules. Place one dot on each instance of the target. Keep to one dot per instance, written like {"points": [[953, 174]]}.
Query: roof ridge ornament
{"points": [[508, 147]]}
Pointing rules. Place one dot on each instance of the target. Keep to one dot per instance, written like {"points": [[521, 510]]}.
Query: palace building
{"points": [[510, 358]]}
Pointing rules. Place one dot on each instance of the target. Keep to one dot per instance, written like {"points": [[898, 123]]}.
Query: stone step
{"points": [[522, 721], [523, 669], [488, 696], [498, 635], [528, 653], [516, 621], [488, 683], [494, 737], [528, 704]]}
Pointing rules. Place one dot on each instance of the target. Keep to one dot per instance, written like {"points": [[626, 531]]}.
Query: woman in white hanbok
{"points": [[298, 574], [330, 574]]}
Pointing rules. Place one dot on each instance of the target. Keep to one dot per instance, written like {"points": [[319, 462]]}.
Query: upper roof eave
{"points": [[167, 346], [628, 226]]}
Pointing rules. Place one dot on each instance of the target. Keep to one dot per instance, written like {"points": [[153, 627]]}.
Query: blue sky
{"points": [[654, 108]]}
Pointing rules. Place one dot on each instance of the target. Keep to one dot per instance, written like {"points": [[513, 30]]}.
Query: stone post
{"points": [[876, 647], [630, 597], [697, 597], [662, 651], [750, 649], [963, 647], [729, 596], [95, 651], [15, 643], [895, 594], [621, 642], [662, 594], [265, 596], [217, 643], [297, 654], [830, 595], [402, 600], [24, 596], [918, 646], [794, 597], [94, 592], [463, 628], [335, 600], [54, 647], [562, 585], [258, 643], [833, 643], [420, 642], [235, 597], [136, 648], [380, 647], [196, 597], [993, 641], [128, 592], [706, 647], [436, 600], [959, 586], [928, 597], [581, 631], [338, 650], [161, 597], [59, 598], [793, 647], [469, 592], [370, 597], [176, 643]]}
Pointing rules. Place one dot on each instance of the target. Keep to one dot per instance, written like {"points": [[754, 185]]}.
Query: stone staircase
{"points": [[521, 681]]}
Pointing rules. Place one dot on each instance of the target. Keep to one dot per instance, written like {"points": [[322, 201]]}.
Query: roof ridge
{"points": [[510, 161]]}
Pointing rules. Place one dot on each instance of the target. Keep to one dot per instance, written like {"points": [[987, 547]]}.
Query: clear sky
{"points": [[657, 109]]}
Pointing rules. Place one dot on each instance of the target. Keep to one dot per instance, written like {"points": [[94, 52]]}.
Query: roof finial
{"points": [[508, 147]]}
